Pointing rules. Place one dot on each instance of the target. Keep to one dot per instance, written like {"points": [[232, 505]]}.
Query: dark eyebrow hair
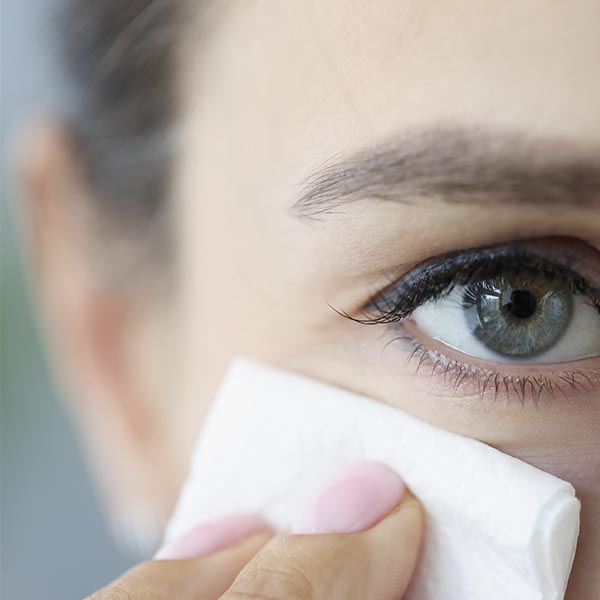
{"points": [[456, 165]]}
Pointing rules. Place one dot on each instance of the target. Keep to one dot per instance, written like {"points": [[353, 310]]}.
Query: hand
{"points": [[358, 540]]}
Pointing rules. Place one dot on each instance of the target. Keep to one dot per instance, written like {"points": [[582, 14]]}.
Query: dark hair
{"points": [[120, 56]]}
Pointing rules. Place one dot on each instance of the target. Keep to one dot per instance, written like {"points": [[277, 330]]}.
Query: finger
{"points": [[201, 578], [354, 552], [212, 536]]}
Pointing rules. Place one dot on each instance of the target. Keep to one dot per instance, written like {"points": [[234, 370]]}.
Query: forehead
{"points": [[362, 69]]}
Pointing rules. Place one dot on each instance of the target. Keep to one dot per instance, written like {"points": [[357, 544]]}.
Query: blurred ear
{"points": [[108, 345]]}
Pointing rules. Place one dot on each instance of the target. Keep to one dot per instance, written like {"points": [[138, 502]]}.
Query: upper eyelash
{"points": [[437, 278]]}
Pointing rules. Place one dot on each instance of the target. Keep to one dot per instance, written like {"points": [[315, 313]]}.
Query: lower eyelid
{"points": [[468, 379]]}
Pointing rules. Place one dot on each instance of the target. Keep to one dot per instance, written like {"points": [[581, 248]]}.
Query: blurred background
{"points": [[54, 540]]}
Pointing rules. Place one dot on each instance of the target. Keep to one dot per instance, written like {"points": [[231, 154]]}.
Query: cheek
{"points": [[575, 459]]}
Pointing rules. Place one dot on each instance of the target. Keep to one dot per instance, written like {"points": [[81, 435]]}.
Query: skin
{"points": [[289, 566], [270, 92]]}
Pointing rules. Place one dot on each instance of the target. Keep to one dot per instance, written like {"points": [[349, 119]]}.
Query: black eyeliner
{"points": [[436, 278]]}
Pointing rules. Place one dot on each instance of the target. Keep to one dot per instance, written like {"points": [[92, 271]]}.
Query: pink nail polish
{"points": [[354, 501], [212, 536]]}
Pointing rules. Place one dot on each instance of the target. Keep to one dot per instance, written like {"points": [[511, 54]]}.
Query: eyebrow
{"points": [[455, 165]]}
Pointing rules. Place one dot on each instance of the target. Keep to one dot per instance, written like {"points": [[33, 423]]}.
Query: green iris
{"points": [[520, 316]]}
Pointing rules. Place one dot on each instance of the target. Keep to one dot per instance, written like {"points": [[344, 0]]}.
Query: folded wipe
{"points": [[496, 527]]}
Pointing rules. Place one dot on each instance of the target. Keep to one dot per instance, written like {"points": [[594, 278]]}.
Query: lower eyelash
{"points": [[491, 384]]}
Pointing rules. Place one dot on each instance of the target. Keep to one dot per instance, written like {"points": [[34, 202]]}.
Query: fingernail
{"points": [[212, 536], [354, 501]]}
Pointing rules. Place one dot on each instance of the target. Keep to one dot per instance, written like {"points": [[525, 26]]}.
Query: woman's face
{"points": [[477, 126], [331, 148]]}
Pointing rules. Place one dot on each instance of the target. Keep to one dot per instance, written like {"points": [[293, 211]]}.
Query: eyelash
{"points": [[495, 384], [436, 279]]}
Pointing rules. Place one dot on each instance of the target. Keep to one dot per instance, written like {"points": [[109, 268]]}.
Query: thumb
{"points": [[364, 535]]}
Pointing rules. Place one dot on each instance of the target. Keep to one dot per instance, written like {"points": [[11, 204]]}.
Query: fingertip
{"points": [[213, 536], [354, 501]]}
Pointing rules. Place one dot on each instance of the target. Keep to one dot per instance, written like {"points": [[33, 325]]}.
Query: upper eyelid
{"points": [[465, 260]]}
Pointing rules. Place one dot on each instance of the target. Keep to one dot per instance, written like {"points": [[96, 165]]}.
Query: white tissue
{"points": [[497, 528]]}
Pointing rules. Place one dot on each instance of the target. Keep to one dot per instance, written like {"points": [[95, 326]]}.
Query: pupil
{"points": [[522, 304]]}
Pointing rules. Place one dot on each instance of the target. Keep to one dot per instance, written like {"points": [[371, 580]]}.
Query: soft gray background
{"points": [[55, 543]]}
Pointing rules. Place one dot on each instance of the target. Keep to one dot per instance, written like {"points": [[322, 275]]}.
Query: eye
{"points": [[519, 311], [516, 317]]}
